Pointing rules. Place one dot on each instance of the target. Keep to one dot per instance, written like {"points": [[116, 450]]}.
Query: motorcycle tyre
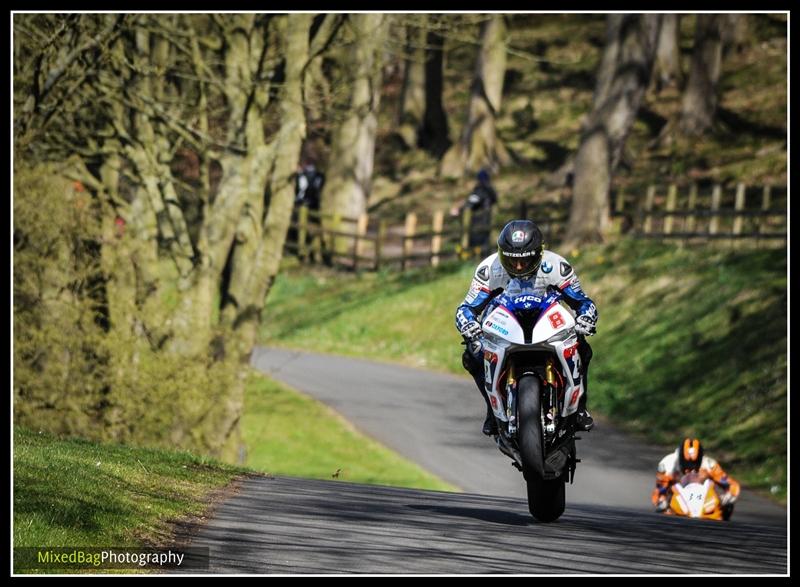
{"points": [[546, 500]]}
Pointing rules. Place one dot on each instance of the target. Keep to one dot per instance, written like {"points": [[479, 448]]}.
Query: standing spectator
{"points": [[308, 186], [308, 192], [480, 202]]}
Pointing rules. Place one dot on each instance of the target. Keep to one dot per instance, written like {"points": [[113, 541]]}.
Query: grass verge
{"points": [[72, 492], [288, 433]]}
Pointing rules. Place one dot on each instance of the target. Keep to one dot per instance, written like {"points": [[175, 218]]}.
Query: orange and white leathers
{"points": [[669, 473]]}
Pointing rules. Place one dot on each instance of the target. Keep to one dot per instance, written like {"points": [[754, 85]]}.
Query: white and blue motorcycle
{"points": [[534, 383]]}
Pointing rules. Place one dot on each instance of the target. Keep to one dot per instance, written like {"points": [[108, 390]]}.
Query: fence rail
{"points": [[692, 214], [743, 212]]}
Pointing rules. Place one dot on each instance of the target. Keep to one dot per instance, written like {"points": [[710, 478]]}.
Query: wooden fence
{"points": [[372, 243], [694, 214], [712, 212]]}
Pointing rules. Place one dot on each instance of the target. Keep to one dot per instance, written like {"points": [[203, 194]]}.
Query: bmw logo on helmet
{"points": [[518, 236]]}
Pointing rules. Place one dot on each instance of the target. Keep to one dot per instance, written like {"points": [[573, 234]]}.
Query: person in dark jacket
{"points": [[308, 186], [480, 201], [309, 182]]}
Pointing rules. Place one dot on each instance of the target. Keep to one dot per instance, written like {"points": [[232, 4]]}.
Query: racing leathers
{"points": [[489, 281], [669, 472]]}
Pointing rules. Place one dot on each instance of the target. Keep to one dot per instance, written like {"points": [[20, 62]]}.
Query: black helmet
{"points": [[519, 248], [690, 454]]}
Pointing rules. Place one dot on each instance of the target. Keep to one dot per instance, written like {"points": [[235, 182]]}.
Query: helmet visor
{"points": [[521, 264]]}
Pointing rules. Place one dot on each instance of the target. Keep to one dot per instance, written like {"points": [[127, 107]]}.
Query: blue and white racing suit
{"points": [[490, 280]]}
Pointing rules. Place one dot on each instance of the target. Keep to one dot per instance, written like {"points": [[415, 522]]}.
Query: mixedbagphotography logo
{"points": [[80, 558]]}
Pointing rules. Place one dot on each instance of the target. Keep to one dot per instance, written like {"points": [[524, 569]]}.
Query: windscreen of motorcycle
{"points": [[500, 323], [692, 497]]}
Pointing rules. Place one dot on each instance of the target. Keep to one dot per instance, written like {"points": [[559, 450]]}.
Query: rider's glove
{"points": [[727, 498], [472, 331], [586, 324], [473, 334], [661, 505]]}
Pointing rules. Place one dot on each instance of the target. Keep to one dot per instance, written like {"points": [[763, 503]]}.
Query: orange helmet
{"points": [[690, 454]]}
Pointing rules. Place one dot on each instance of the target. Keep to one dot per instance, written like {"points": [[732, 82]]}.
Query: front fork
{"points": [[549, 402], [511, 402]]}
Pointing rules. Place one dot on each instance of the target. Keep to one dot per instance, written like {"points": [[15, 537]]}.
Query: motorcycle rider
{"points": [[689, 456], [521, 255]]}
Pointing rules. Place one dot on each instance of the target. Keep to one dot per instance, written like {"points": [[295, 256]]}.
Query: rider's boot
{"points": [[489, 424], [474, 368], [727, 511], [583, 419]]}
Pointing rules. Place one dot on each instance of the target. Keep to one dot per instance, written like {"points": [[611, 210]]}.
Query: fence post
{"points": [[466, 228], [672, 196], [436, 240], [408, 243], [690, 219], [302, 232], [619, 203], [648, 208], [766, 202], [361, 231], [617, 213], [738, 220], [381, 236], [336, 226], [716, 197], [317, 244], [766, 198]]}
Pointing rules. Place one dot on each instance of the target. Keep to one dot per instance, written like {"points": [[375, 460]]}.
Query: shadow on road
{"points": [[283, 525]]}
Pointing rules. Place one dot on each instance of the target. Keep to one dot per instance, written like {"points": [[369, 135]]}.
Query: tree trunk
{"points": [[668, 57], [734, 31], [352, 152], [479, 145], [412, 96], [603, 137], [700, 97], [434, 136], [316, 87], [609, 61]]}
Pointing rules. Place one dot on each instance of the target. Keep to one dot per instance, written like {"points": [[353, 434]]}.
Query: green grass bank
{"points": [[288, 433], [72, 492], [690, 340]]}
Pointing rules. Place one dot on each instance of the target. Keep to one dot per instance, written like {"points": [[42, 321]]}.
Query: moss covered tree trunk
{"points": [[434, 135], [624, 78], [479, 145], [412, 96], [700, 96], [352, 153], [227, 90], [668, 55]]}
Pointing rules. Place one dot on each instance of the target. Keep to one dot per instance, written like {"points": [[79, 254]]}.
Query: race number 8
{"points": [[556, 320]]}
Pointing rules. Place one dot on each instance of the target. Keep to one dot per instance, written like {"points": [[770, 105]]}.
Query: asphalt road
{"points": [[300, 526]]}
